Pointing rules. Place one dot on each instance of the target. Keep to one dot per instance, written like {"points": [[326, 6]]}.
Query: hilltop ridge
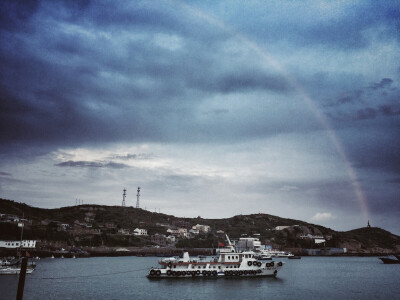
{"points": [[99, 225]]}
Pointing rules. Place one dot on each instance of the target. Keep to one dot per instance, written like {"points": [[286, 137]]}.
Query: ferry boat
{"points": [[243, 264]]}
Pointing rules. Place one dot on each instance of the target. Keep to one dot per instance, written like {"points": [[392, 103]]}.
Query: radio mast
{"points": [[123, 197], [138, 196]]}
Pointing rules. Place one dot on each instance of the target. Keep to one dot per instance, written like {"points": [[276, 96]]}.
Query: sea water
{"points": [[125, 278]]}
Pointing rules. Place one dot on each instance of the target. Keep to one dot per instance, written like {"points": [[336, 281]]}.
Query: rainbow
{"points": [[320, 116]]}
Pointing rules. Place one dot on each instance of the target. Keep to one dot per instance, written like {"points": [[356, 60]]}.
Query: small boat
{"points": [[276, 253], [14, 270], [264, 257], [226, 265], [52, 256], [294, 257], [14, 267], [389, 260]]}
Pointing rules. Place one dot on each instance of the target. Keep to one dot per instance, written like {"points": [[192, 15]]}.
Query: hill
{"points": [[96, 225]]}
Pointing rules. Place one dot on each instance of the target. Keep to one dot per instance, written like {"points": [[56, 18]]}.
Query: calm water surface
{"points": [[124, 278]]}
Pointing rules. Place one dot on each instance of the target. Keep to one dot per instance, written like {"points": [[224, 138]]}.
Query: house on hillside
{"points": [[124, 231], [171, 239], [159, 239], [202, 228], [281, 227], [139, 231], [193, 232], [179, 232]]}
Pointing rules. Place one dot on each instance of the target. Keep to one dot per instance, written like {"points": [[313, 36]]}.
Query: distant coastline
{"points": [[121, 231]]}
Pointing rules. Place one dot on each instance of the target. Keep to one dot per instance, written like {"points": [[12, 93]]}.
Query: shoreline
{"points": [[146, 252]]}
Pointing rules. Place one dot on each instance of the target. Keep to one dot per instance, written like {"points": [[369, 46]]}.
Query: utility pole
{"points": [[137, 197], [123, 197], [21, 281]]}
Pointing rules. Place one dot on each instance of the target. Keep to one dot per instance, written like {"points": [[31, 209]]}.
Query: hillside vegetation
{"points": [[44, 227]]}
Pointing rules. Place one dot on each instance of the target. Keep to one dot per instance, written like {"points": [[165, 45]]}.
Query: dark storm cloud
{"points": [[15, 14], [386, 110], [379, 99], [65, 83], [91, 164], [239, 81], [385, 82], [361, 95], [366, 113], [350, 97], [390, 109], [394, 180]]}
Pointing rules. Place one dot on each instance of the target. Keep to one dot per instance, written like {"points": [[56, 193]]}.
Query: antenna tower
{"points": [[123, 197], [138, 196]]}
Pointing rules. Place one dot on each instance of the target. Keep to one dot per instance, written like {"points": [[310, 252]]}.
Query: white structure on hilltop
{"points": [[139, 231], [202, 228]]}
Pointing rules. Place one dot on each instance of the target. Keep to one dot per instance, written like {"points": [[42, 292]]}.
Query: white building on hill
{"points": [[139, 231]]}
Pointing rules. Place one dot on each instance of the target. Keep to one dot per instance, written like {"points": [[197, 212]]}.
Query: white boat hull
{"points": [[228, 265], [10, 270]]}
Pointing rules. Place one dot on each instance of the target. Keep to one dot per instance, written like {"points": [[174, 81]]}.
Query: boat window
{"points": [[174, 266], [229, 257], [219, 267]]}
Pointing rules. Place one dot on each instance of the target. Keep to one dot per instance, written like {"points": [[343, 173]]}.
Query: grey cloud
{"points": [[366, 113], [344, 31], [351, 97], [385, 82], [243, 81], [15, 14], [221, 111], [394, 180], [139, 156], [360, 95], [91, 164], [390, 109], [5, 174]]}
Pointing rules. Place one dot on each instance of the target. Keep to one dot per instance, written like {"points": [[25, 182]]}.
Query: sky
{"points": [[213, 108]]}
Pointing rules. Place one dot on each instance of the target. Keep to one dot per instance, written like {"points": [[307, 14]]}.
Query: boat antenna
{"points": [[227, 238]]}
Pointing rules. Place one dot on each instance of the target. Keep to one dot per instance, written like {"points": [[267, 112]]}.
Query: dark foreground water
{"points": [[124, 278]]}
